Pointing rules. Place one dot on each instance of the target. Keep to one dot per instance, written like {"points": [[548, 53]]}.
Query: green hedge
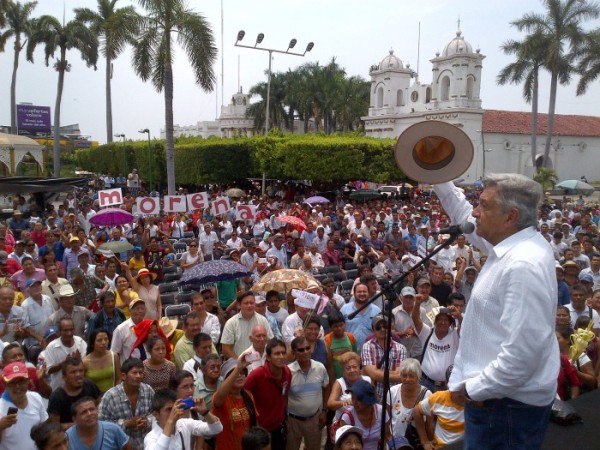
{"points": [[333, 158]]}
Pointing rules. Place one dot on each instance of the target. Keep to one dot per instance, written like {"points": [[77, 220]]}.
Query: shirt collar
{"points": [[504, 246]]}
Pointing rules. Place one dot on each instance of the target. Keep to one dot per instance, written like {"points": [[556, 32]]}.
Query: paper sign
{"points": [[305, 299], [109, 197], [197, 201], [220, 205], [148, 205], [245, 212], [175, 203]]}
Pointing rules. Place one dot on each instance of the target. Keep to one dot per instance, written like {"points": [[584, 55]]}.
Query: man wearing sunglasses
{"points": [[372, 354]]}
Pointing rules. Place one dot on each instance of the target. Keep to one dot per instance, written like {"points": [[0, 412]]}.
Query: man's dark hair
{"points": [[106, 294], [367, 278], [78, 402], [313, 319], [131, 363], [179, 376], [271, 294], [578, 288], [162, 397], [69, 362], [188, 316], [204, 291], [456, 296], [199, 338], [43, 432], [64, 319], [243, 295], [275, 342], [257, 438], [9, 347], [327, 281], [297, 341], [335, 317]]}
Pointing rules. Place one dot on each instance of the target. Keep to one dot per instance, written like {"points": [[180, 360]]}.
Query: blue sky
{"points": [[357, 33]]}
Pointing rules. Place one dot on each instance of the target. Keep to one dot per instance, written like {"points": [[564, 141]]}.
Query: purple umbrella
{"points": [[111, 217], [213, 271], [316, 199]]}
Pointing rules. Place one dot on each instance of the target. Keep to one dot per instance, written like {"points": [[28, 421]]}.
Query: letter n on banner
{"points": [[175, 203], [148, 205], [109, 197], [197, 201], [220, 205], [245, 212]]}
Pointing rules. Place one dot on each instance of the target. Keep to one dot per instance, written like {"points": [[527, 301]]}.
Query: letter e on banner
{"points": [[245, 212], [108, 197], [197, 201], [148, 205], [220, 205], [175, 203]]}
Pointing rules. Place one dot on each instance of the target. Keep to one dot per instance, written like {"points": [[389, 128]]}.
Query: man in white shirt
{"points": [[52, 284], [258, 337], [507, 362], [208, 240], [57, 351], [31, 409], [124, 337]]}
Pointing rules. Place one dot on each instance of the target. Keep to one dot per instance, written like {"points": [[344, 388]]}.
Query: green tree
{"points": [[589, 61], [546, 177], [55, 36], [17, 18], [561, 28], [115, 27], [165, 21], [526, 68]]}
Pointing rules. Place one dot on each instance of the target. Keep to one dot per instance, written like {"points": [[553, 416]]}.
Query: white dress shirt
{"points": [[508, 347]]}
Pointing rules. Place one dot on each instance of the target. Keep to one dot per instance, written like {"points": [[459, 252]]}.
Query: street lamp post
{"points": [[122, 136], [150, 181], [291, 45]]}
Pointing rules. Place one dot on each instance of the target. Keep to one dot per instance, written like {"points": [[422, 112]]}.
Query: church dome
{"points": [[457, 46], [391, 62]]}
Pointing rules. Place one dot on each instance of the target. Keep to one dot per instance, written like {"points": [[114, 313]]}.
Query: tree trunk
{"points": [[550, 126], [109, 127], [534, 119], [62, 64], [13, 86], [169, 129]]}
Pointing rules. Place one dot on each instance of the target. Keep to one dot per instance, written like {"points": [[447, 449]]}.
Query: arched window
{"points": [[399, 98], [427, 95], [379, 102], [470, 84], [445, 89]]}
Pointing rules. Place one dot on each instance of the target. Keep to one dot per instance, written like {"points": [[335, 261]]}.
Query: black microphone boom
{"points": [[463, 228]]}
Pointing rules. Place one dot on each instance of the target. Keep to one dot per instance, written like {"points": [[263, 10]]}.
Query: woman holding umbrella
{"points": [[142, 285]]}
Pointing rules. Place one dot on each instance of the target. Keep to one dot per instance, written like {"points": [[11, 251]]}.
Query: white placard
{"points": [[110, 197], [175, 203], [148, 205], [220, 205]]}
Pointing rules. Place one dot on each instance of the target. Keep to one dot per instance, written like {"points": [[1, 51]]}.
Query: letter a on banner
{"points": [[148, 205], [245, 212], [109, 197], [197, 201], [220, 205], [175, 203]]}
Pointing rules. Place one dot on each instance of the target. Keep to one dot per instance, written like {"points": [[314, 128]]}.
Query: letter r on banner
{"points": [[220, 205], [245, 212], [148, 205], [175, 203], [108, 197], [197, 201]]}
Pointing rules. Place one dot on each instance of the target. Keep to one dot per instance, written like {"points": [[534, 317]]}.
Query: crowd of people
{"points": [[89, 351]]}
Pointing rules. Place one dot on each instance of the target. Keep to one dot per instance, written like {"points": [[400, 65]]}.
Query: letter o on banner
{"points": [[148, 205]]}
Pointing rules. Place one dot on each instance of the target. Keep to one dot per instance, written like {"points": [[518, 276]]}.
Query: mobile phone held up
{"points": [[252, 357], [12, 410], [188, 403]]}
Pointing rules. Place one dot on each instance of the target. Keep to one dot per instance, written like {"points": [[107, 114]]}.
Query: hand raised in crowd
{"points": [[8, 421]]}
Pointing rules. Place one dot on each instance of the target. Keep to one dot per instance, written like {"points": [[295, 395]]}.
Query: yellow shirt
{"points": [[136, 264], [121, 304]]}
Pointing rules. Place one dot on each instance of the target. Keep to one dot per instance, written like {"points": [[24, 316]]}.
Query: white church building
{"points": [[501, 139]]}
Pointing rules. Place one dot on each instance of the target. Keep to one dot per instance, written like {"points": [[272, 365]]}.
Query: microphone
{"points": [[463, 228]]}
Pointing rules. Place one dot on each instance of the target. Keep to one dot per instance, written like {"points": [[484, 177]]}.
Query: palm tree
{"points": [[562, 31], [530, 56], [116, 28], [48, 30], [16, 16], [589, 61], [153, 57]]}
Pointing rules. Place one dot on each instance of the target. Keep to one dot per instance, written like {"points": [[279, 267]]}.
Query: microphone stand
{"points": [[390, 293]]}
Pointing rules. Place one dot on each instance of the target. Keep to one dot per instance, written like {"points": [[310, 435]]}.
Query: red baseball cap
{"points": [[14, 370]]}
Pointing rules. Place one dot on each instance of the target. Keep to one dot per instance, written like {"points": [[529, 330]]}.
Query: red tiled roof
{"points": [[514, 122]]}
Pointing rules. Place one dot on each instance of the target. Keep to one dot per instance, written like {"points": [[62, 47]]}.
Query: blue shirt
{"points": [[110, 435], [564, 296], [360, 326]]}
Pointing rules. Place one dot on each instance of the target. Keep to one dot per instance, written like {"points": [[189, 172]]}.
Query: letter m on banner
{"points": [[109, 197]]}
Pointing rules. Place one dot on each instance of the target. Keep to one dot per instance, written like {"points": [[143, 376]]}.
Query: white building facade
{"points": [[399, 99]]}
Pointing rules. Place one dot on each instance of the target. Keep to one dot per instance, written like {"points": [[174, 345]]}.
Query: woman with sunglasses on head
{"points": [[192, 257]]}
